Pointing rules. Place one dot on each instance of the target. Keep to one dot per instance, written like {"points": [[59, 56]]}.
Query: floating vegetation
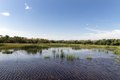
{"points": [[62, 51], [70, 57], [57, 55], [7, 52], [33, 49], [106, 51], [89, 58], [54, 51], [1, 44], [46, 57], [117, 51], [62, 55], [76, 48]]}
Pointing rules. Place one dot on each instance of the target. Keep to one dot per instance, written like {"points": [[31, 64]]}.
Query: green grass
{"points": [[71, 57], [7, 52], [17, 45], [89, 58], [46, 57], [116, 49]]}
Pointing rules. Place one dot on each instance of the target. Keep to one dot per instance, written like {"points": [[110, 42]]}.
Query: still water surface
{"points": [[59, 64]]}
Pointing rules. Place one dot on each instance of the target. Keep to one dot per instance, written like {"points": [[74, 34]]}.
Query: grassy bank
{"points": [[47, 45]]}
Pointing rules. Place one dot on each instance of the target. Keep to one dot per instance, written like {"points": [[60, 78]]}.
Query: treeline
{"points": [[16, 39]]}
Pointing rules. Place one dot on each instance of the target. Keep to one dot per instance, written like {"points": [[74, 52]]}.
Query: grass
{"points": [[7, 52], [71, 57], [89, 58], [116, 49], [17, 45], [46, 57]]}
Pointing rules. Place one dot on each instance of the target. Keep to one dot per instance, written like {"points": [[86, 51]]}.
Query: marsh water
{"points": [[59, 64]]}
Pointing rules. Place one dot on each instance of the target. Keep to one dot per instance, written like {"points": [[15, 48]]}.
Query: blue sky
{"points": [[60, 19]]}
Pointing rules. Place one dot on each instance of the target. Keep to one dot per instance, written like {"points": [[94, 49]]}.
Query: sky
{"points": [[61, 19]]}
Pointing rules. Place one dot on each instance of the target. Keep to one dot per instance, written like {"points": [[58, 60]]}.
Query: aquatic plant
{"points": [[57, 55], [89, 58], [70, 57], [46, 57], [53, 51], [117, 51], [1, 44], [76, 48], [62, 55], [7, 52]]}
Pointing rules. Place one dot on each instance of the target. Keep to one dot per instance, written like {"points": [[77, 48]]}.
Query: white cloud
{"points": [[11, 32], [5, 14], [95, 30], [27, 7], [101, 34], [92, 35]]}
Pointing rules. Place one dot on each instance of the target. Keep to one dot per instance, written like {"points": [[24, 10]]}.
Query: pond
{"points": [[59, 64]]}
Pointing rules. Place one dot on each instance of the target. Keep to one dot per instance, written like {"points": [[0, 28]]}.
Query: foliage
{"points": [[117, 51], [46, 57], [89, 57], [71, 57], [16, 39]]}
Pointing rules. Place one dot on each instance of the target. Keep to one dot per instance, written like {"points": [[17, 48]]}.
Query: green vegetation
{"points": [[7, 52], [16, 39], [62, 55], [7, 42], [46, 57], [71, 57], [37, 47], [89, 58], [117, 51]]}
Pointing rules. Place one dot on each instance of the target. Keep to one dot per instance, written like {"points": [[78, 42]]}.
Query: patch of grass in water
{"points": [[117, 60], [57, 55], [89, 58], [76, 48], [70, 57], [7, 52], [1, 44], [117, 51], [46, 57], [62, 55]]}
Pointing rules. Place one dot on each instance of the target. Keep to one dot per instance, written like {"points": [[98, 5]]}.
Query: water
{"points": [[59, 64]]}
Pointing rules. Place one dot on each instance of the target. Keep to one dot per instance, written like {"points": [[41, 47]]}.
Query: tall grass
{"points": [[116, 49], [46, 57], [89, 58], [70, 57]]}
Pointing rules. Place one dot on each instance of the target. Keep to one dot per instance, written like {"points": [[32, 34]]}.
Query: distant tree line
{"points": [[17, 39]]}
